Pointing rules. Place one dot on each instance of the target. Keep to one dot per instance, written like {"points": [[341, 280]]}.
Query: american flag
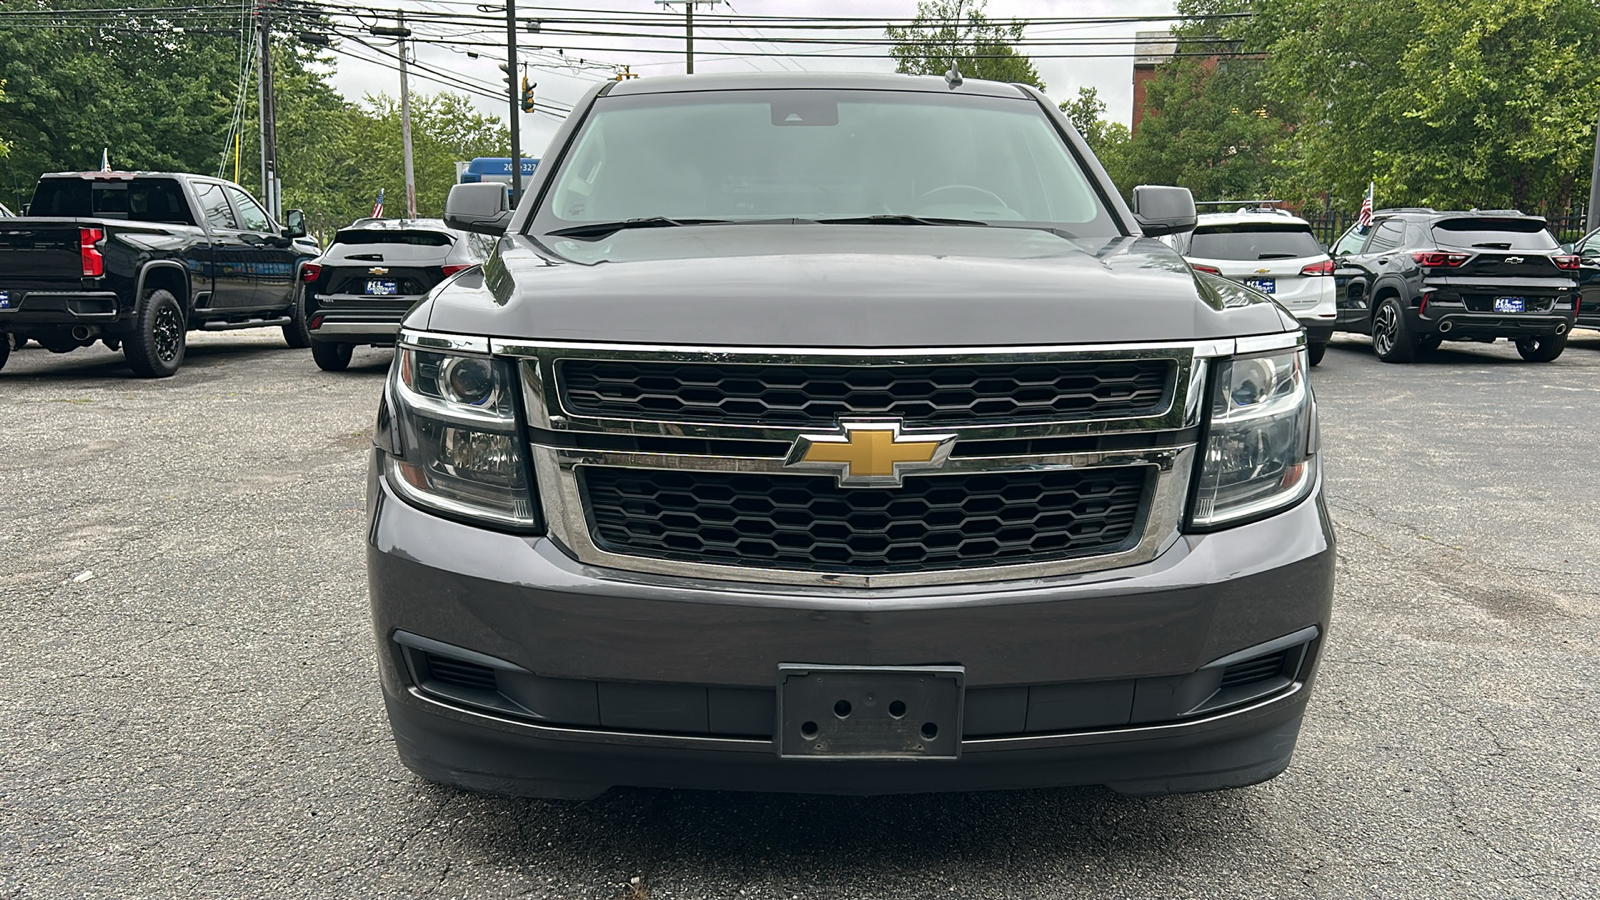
{"points": [[377, 208], [1364, 218]]}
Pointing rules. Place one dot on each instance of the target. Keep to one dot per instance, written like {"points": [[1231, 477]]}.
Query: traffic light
{"points": [[527, 95], [511, 79]]}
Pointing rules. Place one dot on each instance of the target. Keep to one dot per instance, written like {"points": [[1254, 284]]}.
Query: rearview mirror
{"points": [[479, 208], [1162, 209], [294, 223]]}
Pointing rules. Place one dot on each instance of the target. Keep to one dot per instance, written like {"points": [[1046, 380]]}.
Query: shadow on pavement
{"points": [[736, 835]]}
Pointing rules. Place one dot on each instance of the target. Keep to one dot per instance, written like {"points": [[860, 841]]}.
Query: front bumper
{"points": [[1057, 646]]}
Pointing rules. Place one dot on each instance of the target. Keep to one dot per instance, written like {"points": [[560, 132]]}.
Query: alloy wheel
{"points": [[1383, 329], [168, 333]]}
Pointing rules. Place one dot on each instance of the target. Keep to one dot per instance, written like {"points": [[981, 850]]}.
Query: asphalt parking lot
{"points": [[188, 704]]}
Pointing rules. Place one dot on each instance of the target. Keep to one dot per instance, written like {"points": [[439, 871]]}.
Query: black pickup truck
{"points": [[137, 259]]}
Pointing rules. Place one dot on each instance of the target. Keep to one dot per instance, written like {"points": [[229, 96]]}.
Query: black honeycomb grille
{"points": [[808, 395], [809, 523], [1251, 671]]}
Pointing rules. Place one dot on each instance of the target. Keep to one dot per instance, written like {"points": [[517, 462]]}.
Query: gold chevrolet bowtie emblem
{"points": [[377, 270], [1262, 271], [870, 452]]}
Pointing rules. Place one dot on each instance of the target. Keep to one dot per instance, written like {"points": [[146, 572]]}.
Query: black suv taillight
{"points": [[1438, 259]]}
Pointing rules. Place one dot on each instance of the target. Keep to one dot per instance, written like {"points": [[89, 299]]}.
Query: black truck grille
{"points": [[809, 523], [817, 395]]}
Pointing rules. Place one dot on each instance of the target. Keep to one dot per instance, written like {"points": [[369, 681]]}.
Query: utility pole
{"points": [[516, 102], [688, 28], [400, 32], [271, 192], [1594, 186]]}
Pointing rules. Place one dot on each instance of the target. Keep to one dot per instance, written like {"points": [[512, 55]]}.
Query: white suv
{"points": [[1273, 252]]}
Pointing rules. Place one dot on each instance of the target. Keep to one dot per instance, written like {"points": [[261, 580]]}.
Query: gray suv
{"points": [[842, 434]]}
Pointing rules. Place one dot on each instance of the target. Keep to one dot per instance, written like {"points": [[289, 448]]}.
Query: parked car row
{"points": [[136, 260], [1412, 278]]}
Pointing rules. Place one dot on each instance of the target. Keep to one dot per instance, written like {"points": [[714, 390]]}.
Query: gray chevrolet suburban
{"points": [[842, 434]]}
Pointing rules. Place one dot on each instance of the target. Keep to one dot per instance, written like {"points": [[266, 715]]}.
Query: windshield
{"points": [[1254, 242], [752, 155]]}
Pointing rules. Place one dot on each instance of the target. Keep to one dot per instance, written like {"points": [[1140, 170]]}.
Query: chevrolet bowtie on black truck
{"points": [[136, 259], [842, 434]]}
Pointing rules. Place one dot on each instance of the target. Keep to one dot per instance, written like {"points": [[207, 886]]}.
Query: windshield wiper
{"points": [[601, 229], [896, 219]]}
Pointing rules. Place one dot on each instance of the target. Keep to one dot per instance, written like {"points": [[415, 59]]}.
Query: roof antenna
{"points": [[952, 78]]}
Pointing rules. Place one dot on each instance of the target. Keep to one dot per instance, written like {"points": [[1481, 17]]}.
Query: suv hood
{"points": [[844, 286]]}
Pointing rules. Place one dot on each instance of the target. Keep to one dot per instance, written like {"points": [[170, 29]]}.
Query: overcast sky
{"points": [[563, 85]]}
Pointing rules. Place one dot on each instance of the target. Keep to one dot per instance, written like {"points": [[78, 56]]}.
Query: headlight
{"points": [[455, 424], [1260, 442]]}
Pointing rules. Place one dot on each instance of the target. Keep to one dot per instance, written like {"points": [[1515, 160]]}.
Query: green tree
{"points": [[1464, 103], [1209, 127], [957, 31], [1107, 139]]}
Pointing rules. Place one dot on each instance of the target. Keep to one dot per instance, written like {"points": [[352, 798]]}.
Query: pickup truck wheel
{"points": [[1391, 339], [156, 346], [1542, 349], [332, 357], [1315, 352], [296, 334]]}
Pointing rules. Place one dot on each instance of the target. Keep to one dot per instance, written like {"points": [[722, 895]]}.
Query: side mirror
{"points": [[1160, 209], [25, 207], [479, 208], [294, 223]]}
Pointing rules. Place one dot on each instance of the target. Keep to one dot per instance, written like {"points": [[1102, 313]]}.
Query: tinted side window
{"points": [[1350, 243], [214, 206], [1590, 246], [250, 212], [1387, 238]]}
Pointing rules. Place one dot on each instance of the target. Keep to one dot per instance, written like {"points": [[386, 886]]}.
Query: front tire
{"points": [[332, 357], [1315, 352], [1544, 348], [296, 334], [1391, 337], [156, 347]]}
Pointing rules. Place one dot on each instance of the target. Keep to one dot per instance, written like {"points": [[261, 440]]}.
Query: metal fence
{"points": [[1567, 225]]}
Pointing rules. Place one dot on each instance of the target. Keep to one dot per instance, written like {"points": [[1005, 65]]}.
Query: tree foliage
{"points": [[957, 31], [158, 95], [1445, 103], [1108, 140]]}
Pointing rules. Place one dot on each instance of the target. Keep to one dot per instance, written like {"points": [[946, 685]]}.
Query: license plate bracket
{"points": [[1264, 285], [1510, 304], [870, 712], [383, 287]]}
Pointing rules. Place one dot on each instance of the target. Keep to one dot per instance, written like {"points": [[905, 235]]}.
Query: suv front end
{"points": [[568, 600], [801, 470]]}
